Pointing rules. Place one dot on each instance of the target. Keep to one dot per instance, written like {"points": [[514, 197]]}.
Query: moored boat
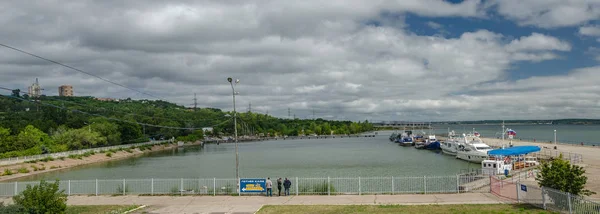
{"points": [[473, 150]]}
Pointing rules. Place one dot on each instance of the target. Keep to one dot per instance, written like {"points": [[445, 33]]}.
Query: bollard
{"points": [[69, 188], [392, 185]]}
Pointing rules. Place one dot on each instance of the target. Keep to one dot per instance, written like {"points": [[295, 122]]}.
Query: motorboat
{"points": [[450, 145], [393, 136], [432, 143], [473, 150], [406, 139]]}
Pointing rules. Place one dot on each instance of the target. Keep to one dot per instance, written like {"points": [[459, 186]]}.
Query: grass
{"points": [[93, 209], [23, 170], [109, 154], [429, 209]]}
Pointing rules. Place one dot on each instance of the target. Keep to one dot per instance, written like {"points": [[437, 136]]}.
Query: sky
{"points": [[377, 60]]}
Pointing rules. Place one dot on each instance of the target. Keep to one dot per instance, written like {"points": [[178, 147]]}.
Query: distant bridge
{"points": [[400, 124]]}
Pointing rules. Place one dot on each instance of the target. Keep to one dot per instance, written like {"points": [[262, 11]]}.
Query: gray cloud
{"points": [[301, 55]]}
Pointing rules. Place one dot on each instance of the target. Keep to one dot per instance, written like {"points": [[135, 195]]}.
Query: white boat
{"points": [[473, 150], [450, 145]]}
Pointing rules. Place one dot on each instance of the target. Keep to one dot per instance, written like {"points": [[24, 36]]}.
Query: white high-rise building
{"points": [[35, 90]]}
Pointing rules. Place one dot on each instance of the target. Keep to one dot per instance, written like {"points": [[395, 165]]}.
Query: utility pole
{"points": [[249, 107], [267, 112], [289, 114], [195, 102]]}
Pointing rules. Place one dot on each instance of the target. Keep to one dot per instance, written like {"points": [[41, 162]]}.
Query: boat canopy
{"points": [[516, 150]]}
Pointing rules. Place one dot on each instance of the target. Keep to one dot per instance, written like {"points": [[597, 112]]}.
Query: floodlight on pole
{"points": [[237, 162]]}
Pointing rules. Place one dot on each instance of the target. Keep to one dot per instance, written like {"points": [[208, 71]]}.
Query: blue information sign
{"points": [[523, 187], [253, 185]]}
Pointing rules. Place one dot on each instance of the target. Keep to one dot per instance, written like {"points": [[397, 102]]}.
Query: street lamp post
{"points": [[554, 136], [237, 162]]}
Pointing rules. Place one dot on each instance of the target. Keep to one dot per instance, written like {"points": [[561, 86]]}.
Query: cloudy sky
{"points": [[420, 60]]}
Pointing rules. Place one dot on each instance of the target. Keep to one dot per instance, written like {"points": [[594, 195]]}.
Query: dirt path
{"points": [[65, 163]]}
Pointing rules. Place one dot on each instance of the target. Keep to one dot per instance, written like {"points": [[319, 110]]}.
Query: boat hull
{"points": [[474, 158], [448, 152]]}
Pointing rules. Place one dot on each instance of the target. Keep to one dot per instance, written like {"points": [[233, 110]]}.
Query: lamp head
{"points": [[229, 79], [237, 81]]}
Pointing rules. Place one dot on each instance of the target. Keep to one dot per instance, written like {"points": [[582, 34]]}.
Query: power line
{"points": [[78, 70]]}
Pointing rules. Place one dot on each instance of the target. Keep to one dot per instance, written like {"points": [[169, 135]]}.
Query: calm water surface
{"points": [[339, 157]]}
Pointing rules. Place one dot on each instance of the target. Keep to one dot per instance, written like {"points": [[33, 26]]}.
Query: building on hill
{"points": [[65, 91]]}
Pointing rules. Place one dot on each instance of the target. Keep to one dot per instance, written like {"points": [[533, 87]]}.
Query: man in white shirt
{"points": [[269, 187]]}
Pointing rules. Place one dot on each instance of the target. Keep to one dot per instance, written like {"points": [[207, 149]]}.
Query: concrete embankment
{"points": [[22, 170], [243, 140]]}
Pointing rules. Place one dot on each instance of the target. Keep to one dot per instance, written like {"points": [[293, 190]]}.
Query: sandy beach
{"points": [[66, 163]]}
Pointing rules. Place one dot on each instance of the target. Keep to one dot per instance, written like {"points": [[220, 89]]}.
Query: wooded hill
{"points": [[53, 124]]}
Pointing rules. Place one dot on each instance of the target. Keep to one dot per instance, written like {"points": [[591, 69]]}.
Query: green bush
{"points": [[46, 159], [7, 172], [23, 170], [54, 167], [34, 168], [10, 209], [128, 150], [42, 198], [109, 154], [62, 158]]}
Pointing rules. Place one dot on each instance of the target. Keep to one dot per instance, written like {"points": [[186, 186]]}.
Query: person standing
{"points": [[286, 184], [279, 182], [269, 187]]}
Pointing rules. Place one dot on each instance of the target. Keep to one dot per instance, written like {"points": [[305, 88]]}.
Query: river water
{"points": [[339, 157]]}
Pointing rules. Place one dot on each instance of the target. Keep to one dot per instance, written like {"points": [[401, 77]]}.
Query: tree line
{"points": [[45, 124]]}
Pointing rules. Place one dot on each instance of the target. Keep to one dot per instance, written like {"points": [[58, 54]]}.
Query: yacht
{"points": [[450, 145], [432, 143], [473, 150]]}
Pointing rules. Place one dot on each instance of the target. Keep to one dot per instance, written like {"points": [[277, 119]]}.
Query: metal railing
{"points": [[15, 160], [555, 200], [574, 158], [300, 186]]}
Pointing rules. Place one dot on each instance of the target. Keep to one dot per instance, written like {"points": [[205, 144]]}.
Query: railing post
{"points": [[359, 192], [96, 187], [569, 200], [16, 188], [424, 184], [543, 198], [124, 186], [69, 188], [328, 189], [151, 186], [457, 183], [518, 190], [296, 186], [392, 185], [239, 186], [214, 186], [181, 187]]}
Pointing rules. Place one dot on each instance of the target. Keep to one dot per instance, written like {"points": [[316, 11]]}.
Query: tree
{"points": [[561, 175], [16, 93], [31, 137], [42, 198]]}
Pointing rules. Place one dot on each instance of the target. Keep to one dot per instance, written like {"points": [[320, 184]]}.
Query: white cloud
{"points": [[538, 42], [590, 30], [548, 13], [434, 25], [300, 55]]}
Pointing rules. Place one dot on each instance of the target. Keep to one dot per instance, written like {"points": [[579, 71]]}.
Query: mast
{"points": [[503, 130]]}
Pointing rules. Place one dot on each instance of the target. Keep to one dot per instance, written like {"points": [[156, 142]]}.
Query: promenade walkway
{"points": [[251, 204]]}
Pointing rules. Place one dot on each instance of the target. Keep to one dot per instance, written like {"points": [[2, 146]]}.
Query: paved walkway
{"points": [[251, 204]]}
